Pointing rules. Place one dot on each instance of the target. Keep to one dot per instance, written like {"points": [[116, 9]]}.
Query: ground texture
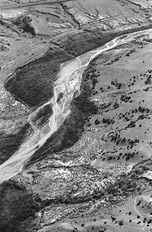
{"points": [[95, 172]]}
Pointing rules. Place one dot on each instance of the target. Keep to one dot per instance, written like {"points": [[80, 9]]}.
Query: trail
{"points": [[67, 85]]}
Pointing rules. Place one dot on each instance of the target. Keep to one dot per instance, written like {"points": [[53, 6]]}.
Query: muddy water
{"points": [[66, 86]]}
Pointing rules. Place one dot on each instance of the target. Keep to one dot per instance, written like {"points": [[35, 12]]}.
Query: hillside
{"points": [[75, 128]]}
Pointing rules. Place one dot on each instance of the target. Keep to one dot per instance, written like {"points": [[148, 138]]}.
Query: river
{"points": [[65, 87]]}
